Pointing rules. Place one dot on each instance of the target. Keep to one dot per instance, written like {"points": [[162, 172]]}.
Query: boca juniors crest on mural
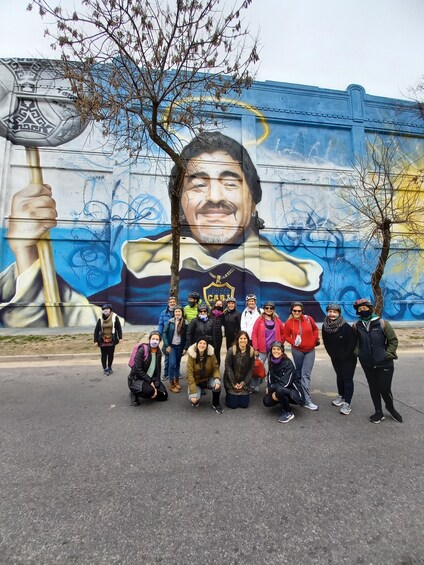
{"points": [[259, 212]]}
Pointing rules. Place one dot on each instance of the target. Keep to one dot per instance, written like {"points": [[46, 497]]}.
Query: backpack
{"points": [[136, 347]]}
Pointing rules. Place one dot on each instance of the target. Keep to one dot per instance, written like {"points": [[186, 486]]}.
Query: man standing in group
{"points": [[376, 349], [220, 246], [190, 309]]}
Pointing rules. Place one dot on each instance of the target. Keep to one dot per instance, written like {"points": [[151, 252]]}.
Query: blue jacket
{"points": [[164, 317]]}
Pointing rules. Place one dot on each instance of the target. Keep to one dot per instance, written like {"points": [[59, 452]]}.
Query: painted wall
{"points": [[112, 238]]}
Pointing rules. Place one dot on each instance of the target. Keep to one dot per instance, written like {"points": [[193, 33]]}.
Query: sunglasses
{"points": [[297, 311], [269, 308]]}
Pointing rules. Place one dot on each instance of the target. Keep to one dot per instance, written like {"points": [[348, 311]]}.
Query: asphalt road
{"points": [[88, 479]]}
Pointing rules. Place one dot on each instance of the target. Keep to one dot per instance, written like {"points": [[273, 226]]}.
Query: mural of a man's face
{"points": [[216, 199]]}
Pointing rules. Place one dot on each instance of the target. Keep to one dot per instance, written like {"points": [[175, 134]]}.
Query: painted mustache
{"points": [[222, 207]]}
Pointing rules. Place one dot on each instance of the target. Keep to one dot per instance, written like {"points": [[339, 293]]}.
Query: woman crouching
{"points": [[238, 371], [144, 380], [203, 373], [283, 383]]}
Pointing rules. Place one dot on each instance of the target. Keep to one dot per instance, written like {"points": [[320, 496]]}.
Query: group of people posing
{"points": [[255, 341]]}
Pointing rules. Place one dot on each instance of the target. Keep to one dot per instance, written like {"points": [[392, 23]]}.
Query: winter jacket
{"points": [[377, 342], [238, 369], [164, 317], [116, 330], [284, 375], [232, 320], [306, 327], [168, 334], [217, 318], [194, 376], [190, 312], [200, 329], [340, 345], [248, 319], [258, 333], [142, 364]]}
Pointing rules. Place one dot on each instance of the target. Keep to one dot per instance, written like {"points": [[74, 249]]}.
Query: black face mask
{"points": [[364, 314], [219, 308]]}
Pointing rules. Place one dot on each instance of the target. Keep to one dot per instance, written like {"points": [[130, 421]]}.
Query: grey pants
{"points": [[304, 363]]}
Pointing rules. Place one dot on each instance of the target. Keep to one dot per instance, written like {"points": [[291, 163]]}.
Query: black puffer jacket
{"points": [[284, 375], [200, 329], [232, 320], [377, 343]]}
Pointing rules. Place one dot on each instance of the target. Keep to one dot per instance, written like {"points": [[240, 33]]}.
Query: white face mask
{"points": [[106, 311], [203, 316], [154, 342]]}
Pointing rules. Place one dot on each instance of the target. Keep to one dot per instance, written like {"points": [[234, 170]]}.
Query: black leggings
{"points": [[107, 352], [380, 383], [345, 369], [283, 395]]}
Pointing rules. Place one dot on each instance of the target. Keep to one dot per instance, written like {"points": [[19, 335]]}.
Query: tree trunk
{"points": [[176, 233], [379, 270]]}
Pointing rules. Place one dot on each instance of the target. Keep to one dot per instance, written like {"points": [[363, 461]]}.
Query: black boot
{"points": [[215, 401]]}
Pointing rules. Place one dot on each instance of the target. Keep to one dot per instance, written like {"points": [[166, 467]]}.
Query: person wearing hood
{"points": [[376, 348], [232, 318], [144, 379], [239, 363], [339, 341], [283, 384], [174, 343], [203, 373], [301, 332], [107, 334]]}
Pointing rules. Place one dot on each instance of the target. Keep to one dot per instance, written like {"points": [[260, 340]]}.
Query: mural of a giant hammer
{"points": [[41, 113]]}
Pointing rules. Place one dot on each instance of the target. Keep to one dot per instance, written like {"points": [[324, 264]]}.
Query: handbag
{"points": [[258, 370]]}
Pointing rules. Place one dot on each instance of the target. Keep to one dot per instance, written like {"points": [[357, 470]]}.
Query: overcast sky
{"points": [[327, 43]]}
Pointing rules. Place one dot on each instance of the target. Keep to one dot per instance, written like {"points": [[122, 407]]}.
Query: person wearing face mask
{"points": [[203, 374], [107, 334], [174, 342], [190, 309], [232, 318], [376, 348], [283, 385], [217, 316], [200, 327], [239, 363], [144, 380], [339, 341], [301, 332]]}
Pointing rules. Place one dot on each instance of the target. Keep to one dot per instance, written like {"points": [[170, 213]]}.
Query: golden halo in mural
{"points": [[240, 103]]}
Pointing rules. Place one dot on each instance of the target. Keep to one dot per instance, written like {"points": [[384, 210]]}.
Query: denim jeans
{"points": [[304, 362], [174, 361]]}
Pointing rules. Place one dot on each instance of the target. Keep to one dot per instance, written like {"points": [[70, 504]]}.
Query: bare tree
{"points": [[386, 195], [146, 69]]}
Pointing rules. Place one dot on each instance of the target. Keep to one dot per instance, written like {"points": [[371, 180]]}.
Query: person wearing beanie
{"points": [[376, 348], [203, 374], [144, 379], [164, 317], [339, 341], [107, 334], [283, 385], [301, 332], [232, 319], [174, 343], [239, 363]]}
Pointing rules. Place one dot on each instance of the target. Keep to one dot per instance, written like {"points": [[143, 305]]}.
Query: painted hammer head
{"points": [[37, 107]]}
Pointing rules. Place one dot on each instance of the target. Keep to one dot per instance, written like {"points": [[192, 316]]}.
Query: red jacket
{"points": [[306, 328], [258, 333]]}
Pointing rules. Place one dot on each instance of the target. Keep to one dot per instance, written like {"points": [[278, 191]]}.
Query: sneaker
{"points": [[203, 391], [346, 409], [134, 401], [396, 416], [217, 408], [338, 401], [106, 372], [109, 370], [196, 405], [164, 378], [254, 389], [285, 417], [310, 406], [377, 418]]}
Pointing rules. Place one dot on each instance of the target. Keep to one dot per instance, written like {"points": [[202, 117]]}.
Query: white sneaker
{"points": [[310, 406], [339, 401], [346, 409]]}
